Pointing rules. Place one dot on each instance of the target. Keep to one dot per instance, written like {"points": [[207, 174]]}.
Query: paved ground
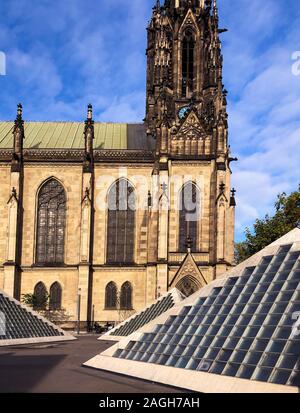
{"points": [[56, 368]]}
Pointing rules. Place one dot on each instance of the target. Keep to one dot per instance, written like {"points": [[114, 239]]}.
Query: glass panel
{"points": [[245, 372], [217, 367], [238, 356], [288, 361], [269, 360], [224, 355], [283, 333], [182, 362], [253, 358], [231, 369], [292, 347], [276, 346], [172, 361], [193, 364], [199, 353], [205, 365], [262, 374], [280, 376], [294, 379], [259, 344]]}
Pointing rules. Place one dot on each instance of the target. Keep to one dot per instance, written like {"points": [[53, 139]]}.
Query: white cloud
{"points": [[38, 74], [264, 99], [125, 109]]}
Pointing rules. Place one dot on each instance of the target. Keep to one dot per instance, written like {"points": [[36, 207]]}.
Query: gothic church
{"points": [[118, 214]]}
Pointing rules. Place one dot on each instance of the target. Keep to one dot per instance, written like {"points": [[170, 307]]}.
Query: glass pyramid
{"points": [[20, 325], [243, 327], [142, 318]]}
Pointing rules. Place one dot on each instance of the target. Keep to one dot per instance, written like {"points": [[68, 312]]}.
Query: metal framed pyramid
{"points": [[241, 333], [138, 320], [20, 325]]}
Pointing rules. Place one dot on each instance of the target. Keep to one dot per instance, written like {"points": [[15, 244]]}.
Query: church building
{"points": [[113, 215]]}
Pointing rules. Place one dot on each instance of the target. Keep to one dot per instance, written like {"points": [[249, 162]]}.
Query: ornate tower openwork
{"points": [[185, 94]]}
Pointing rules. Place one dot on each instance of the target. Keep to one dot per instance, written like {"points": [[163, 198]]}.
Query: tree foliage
{"points": [[57, 316], [31, 300], [270, 228]]}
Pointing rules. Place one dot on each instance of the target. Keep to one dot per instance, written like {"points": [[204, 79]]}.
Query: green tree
{"points": [[31, 301], [56, 316], [270, 228]]}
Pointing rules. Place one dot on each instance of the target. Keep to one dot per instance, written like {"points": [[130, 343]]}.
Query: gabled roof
{"points": [[191, 126], [191, 269], [238, 334], [69, 135]]}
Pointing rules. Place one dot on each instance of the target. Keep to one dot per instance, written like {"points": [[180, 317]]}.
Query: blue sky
{"points": [[62, 55]]}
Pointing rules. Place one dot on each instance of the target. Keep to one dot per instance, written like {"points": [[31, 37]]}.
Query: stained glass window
{"points": [[121, 223], [126, 296], [111, 296], [40, 295], [51, 220], [55, 296]]}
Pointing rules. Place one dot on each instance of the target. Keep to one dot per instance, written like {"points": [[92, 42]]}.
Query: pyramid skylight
{"points": [[21, 325], [239, 333]]}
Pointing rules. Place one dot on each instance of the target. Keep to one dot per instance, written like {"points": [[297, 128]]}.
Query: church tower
{"points": [[186, 115], [184, 77]]}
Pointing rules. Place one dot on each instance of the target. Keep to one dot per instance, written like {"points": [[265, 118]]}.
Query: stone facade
{"points": [[185, 141]]}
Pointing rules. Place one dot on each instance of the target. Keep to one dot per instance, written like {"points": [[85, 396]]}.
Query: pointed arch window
{"points": [[188, 286], [41, 296], [121, 223], [189, 216], [55, 296], [126, 296], [188, 48], [111, 296], [51, 220]]}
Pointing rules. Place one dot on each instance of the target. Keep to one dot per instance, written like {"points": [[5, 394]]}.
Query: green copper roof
{"points": [[69, 135]]}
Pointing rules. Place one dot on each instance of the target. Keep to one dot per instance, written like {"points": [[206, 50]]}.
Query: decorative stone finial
{"points": [[90, 112], [88, 138], [19, 111], [18, 133], [232, 198]]}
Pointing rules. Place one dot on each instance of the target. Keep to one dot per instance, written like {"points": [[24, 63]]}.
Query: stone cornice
{"points": [[127, 155], [78, 155], [192, 157], [6, 154]]}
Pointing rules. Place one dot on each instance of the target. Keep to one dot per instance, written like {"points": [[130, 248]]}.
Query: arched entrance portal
{"points": [[188, 285]]}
